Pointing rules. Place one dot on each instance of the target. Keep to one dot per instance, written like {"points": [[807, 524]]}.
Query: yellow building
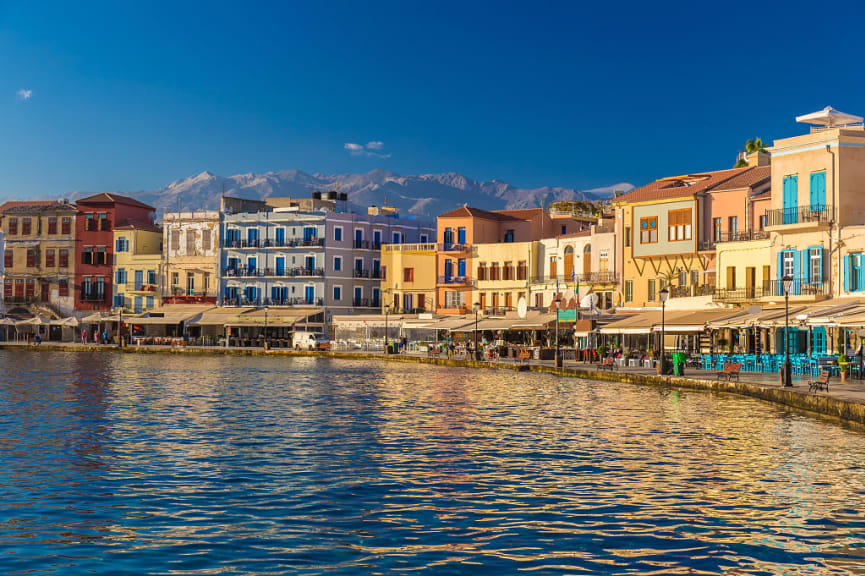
{"points": [[137, 266], [743, 271], [191, 266], [504, 274], [408, 277]]}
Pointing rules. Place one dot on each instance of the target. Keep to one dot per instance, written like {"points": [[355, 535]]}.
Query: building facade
{"points": [[137, 267], [191, 242], [39, 256], [503, 274], [408, 280], [95, 221]]}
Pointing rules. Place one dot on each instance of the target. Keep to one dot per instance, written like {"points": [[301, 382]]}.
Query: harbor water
{"points": [[158, 464]]}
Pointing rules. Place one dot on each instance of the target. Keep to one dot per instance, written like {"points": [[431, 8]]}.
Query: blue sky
{"points": [[129, 96]]}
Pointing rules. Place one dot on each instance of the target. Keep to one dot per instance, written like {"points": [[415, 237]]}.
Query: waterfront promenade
{"points": [[843, 400]]}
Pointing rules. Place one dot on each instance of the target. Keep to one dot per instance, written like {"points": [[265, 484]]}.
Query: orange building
{"points": [[461, 229]]}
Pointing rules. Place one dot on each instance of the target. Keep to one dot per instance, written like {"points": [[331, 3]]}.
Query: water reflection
{"points": [[246, 465]]}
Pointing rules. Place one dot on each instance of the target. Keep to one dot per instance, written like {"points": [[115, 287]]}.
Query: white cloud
{"points": [[370, 150], [24, 94]]}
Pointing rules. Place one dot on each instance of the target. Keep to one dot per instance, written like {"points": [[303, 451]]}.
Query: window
{"points": [[120, 276], [101, 257], [695, 276], [494, 271], [337, 293], [90, 222], [206, 242], [151, 277], [424, 238], [175, 240], [121, 245], [815, 270], [408, 275], [733, 226], [679, 224], [52, 224], [448, 236], [190, 242], [26, 226], [683, 278], [627, 236], [63, 287], [190, 284], [629, 290], [63, 258], [150, 302], [564, 230], [337, 263], [553, 267], [175, 278], [651, 290], [818, 191], [522, 271], [104, 223], [31, 258], [649, 230], [66, 225], [789, 260], [13, 226], [508, 271], [206, 282], [764, 221], [396, 237], [49, 258], [337, 234], [482, 271], [461, 235], [8, 258], [509, 236]]}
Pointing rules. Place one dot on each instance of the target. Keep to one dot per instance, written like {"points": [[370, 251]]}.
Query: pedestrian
{"points": [[84, 336], [37, 339]]}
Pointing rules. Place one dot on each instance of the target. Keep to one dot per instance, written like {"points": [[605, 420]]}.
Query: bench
{"points": [[607, 364], [524, 355], [821, 383], [730, 370]]}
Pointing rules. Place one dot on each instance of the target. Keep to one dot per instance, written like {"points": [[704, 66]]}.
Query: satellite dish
{"points": [[522, 307], [754, 309]]}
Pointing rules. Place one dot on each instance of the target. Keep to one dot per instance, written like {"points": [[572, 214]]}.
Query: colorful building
{"points": [[666, 241], [503, 274], [191, 257], [137, 266], [95, 221], [39, 256], [408, 282]]}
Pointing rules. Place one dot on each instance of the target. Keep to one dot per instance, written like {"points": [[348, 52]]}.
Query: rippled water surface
{"points": [[140, 464]]}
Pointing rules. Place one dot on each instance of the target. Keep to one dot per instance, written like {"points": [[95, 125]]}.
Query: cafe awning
{"points": [[537, 321], [694, 321], [639, 323], [454, 323]]}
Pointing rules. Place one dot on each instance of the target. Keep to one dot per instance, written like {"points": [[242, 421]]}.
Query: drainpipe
{"points": [[832, 225]]}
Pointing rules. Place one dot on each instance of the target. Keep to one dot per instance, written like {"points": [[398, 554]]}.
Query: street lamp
{"points": [[477, 308], [787, 281], [266, 345], [558, 301], [386, 311], [120, 329], [665, 293]]}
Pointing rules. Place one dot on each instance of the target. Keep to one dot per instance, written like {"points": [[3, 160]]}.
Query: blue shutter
{"points": [[797, 272], [847, 273], [861, 270], [461, 266], [806, 266], [779, 273], [819, 279], [818, 191]]}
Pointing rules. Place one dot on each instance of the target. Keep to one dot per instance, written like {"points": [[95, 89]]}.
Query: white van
{"points": [[310, 341]]}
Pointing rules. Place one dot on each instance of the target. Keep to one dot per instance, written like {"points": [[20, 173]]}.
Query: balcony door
{"points": [[45, 290], [569, 263], [791, 199], [750, 280]]}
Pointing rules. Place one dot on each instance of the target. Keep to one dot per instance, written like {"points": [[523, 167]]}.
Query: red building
{"points": [[94, 227]]}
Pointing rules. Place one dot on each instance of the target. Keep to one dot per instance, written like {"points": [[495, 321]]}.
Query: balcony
{"points": [[91, 297], [258, 302], [244, 272], [802, 217], [691, 290], [456, 281], [740, 294], [799, 287], [21, 299], [140, 287], [364, 303], [254, 244], [451, 247], [367, 274], [741, 236], [607, 277]]}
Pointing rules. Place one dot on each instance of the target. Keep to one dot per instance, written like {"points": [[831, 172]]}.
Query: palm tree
{"points": [[751, 146]]}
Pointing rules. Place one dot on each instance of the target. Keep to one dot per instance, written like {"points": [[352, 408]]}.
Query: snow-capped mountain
{"points": [[426, 195]]}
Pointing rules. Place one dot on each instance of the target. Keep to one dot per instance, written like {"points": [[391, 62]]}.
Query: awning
{"points": [[454, 323], [492, 324], [369, 320], [694, 321], [829, 117], [639, 323], [538, 321]]}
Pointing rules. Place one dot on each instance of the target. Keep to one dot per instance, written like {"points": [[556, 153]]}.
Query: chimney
{"points": [[758, 159]]}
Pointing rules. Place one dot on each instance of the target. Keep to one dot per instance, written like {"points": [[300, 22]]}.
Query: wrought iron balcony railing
{"points": [[798, 215]]}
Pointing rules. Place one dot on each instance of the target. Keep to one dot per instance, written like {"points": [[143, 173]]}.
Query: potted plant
{"points": [[844, 366]]}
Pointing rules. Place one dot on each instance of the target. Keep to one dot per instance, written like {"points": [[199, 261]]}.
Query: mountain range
{"points": [[425, 195]]}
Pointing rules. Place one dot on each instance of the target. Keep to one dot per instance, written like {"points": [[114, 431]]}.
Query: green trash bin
{"points": [[678, 363]]}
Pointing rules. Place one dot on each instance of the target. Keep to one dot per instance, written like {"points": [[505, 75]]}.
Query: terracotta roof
{"points": [[16, 203], [138, 225], [764, 195], [106, 198], [468, 211], [522, 213], [678, 186], [580, 234], [756, 176]]}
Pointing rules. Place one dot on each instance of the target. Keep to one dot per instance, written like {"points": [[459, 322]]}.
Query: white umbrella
{"points": [[829, 117]]}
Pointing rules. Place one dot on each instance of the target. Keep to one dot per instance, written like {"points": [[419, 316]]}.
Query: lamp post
{"points": [[558, 300], [665, 293], [386, 311], [477, 309], [266, 345], [120, 329], [786, 375]]}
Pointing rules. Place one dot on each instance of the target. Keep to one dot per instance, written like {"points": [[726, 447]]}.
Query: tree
{"points": [[751, 146]]}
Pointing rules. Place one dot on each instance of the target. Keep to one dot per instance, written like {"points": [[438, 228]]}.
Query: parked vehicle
{"points": [[310, 341]]}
